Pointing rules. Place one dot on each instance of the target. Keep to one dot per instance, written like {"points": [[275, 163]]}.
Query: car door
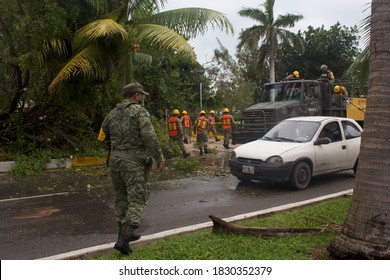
{"points": [[352, 134], [330, 157]]}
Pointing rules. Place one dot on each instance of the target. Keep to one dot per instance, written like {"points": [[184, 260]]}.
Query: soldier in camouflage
{"points": [[131, 137]]}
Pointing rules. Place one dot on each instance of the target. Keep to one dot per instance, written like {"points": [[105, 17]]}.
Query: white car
{"points": [[297, 149]]}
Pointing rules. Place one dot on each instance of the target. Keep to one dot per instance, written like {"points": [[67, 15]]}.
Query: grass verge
{"points": [[206, 245]]}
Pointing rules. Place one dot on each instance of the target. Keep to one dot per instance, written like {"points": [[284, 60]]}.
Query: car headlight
{"points": [[275, 160], [233, 155]]}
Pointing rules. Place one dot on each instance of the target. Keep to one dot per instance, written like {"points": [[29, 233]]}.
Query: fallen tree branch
{"points": [[221, 226]]}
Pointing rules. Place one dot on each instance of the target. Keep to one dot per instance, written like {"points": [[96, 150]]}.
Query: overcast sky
{"points": [[315, 13]]}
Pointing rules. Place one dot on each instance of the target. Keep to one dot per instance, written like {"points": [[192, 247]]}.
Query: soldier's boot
{"points": [[122, 244], [206, 151], [185, 141], [133, 237], [186, 154], [200, 151]]}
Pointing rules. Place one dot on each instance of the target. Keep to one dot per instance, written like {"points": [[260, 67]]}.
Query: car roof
{"points": [[318, 118]]}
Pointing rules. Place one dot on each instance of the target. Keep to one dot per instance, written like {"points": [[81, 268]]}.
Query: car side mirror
{"points": [[322, 141]]}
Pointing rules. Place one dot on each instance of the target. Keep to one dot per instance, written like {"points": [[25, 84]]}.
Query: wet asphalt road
{"points": [[55, 213]]}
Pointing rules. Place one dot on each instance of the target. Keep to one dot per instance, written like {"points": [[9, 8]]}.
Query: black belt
{"points": [[128, 155]]}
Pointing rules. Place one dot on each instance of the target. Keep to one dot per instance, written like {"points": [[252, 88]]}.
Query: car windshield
{"points": [[292, 131]]}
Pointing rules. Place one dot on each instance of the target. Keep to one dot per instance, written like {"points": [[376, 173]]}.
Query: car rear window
{"points": [[351, 130]]}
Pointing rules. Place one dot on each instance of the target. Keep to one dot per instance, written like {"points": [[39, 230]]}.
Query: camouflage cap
{"points": [[132, 88]]}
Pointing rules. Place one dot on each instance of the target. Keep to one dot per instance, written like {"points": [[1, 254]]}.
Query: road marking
{"points": [[32, 197]]}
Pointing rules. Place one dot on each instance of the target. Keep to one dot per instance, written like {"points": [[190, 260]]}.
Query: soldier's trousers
{"points": [[131, 191], [178, 140], [227, 135], [202, 139]]}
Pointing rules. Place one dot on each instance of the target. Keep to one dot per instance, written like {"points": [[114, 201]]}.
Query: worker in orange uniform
{"points": [[201, 127], [293, 76], [187, 124], [227, 125], [212, 126], [340, 90], [175, 133]]}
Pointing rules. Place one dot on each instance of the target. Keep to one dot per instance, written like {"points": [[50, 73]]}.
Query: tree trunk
{"points": [[272, 69], [366, 231]]}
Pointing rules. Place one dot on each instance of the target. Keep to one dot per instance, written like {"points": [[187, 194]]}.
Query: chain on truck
{"points": [[282, 100]]}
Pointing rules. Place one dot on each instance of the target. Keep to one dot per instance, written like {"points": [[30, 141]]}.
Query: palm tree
{"points": [[113, 43], [271, 31], [366, 229]]}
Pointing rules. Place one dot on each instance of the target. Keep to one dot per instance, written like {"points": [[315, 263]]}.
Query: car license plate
{"points": [[248, 169]]}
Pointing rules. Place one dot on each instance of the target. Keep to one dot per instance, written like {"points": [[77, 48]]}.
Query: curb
{"points": [[5, 166], [107, 248]]}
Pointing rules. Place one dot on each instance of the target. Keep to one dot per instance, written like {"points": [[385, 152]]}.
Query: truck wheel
{"points": [[301, 176]]}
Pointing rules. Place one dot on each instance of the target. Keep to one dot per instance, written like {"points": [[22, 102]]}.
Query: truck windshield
{"points": [[282, 92]]}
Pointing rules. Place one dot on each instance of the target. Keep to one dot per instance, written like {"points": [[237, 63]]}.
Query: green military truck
{"points": [[282, 100]]}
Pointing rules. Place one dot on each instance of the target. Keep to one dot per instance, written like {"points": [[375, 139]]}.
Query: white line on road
{"points": [[35, 196]]}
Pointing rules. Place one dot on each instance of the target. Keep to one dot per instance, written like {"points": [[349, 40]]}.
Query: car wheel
{"points": [[243, 179], [301, 176]]}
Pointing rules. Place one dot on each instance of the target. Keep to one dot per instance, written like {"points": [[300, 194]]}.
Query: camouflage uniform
{"points": [[131, 135]]}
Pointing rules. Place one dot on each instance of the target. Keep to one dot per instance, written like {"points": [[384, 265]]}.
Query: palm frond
{"points": [[361, 63], [91, 62], [292, 39], [255, 14], [165, 38], [100, 6], [287, 20], [365, 28], [191, 22], [102, 28], [250, 37], [137, 5], [49, 47]]}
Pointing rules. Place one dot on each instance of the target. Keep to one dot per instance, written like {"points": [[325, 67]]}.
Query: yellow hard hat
{"points": [[175, 112], [226, 110], [202, 112], [212, 112], [296, 74], [184, 112], [336, 89]]}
